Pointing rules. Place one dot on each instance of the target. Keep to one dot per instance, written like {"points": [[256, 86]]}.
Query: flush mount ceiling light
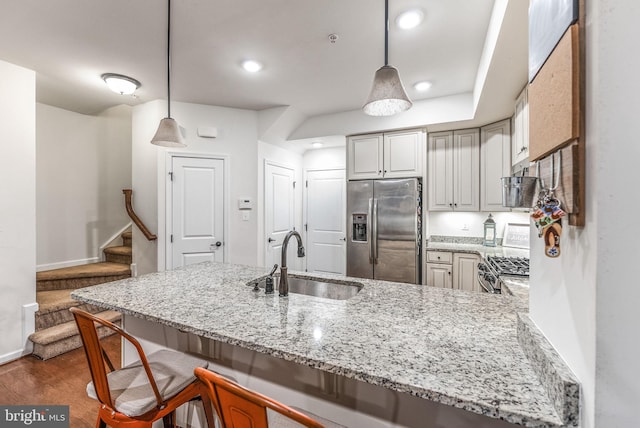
{"points": [[387, 96], [168, 133], [251, 66], [317, 144], [422, 86], [120, 84], [409, 19]]}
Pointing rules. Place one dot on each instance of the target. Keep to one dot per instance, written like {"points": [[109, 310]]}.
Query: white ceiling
{"points": [[70, 43]]}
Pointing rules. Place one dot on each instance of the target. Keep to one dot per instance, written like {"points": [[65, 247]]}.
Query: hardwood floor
{"points": [[60, 380]]}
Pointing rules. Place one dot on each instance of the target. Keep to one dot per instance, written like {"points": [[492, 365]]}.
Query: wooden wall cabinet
{"points": [[520, 141], [389, 155], [454, 170], [495, 163]]}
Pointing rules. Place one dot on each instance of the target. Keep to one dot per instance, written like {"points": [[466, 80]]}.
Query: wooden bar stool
{"points": [[137, 395], [239, 407]]}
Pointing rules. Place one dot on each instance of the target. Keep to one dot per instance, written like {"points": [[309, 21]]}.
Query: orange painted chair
{"points": [[239, 407], [137, 395]]}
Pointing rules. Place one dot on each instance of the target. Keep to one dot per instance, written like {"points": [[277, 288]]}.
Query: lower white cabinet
{"points": [[458, 271], [465, 271]]}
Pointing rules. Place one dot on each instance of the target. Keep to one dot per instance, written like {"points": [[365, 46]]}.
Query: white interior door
{"points": [[326, 223], [197, 211], [279, 195]]}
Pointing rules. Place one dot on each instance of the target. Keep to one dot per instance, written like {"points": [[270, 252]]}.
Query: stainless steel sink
{"points": [[324, 288]]}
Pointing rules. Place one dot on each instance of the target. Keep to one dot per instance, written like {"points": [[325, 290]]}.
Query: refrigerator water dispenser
{"points": [[360, 227]]}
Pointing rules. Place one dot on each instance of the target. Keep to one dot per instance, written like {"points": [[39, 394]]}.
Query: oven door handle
{"points": [[485, 284]]}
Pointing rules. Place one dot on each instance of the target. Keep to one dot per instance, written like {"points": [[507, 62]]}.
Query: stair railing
{"points": [[134, 217]]}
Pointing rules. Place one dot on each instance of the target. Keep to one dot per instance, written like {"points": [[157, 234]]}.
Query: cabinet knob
{"points": [[438, 257], [455, 205], [379, 171]]}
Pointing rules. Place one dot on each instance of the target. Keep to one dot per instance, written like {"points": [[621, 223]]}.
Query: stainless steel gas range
{"points": [[492, 272]]}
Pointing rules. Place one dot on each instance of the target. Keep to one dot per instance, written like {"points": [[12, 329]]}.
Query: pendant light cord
{"points": [[386, 32], [168, 58]]}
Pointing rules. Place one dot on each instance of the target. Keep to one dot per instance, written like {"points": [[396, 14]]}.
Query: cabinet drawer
{"points": [[439, 257]]}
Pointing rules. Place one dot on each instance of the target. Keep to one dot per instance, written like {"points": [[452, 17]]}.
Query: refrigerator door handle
{"points": [[369, 234], [374, 232]]}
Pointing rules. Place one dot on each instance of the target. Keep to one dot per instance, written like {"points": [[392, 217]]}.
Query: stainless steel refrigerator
{"points": [[385, 222]]}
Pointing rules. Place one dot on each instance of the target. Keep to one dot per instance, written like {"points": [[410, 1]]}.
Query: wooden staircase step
{"points": [[53, 308], [81, 276], [127, 238], [118, 254], [61, 338]]}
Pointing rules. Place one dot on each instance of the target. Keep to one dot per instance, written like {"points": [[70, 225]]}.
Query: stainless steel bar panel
{"points": [[374, 232], [369, 231]]}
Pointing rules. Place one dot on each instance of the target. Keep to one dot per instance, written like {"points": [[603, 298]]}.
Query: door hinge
{"points": [[171, 176], [306, 227], [171, 238], [306, 183], [294, 184]]}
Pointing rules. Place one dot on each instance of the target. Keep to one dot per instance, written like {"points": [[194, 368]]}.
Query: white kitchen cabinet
{"points": [[390, 155], [454, 170], [364, 154], [520, 143], [439, 275], [495, 163], [447, 269], [465, 271]]}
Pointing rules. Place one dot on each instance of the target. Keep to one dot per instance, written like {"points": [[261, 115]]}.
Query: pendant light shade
{"points": [[387, 96], [168, 133]]}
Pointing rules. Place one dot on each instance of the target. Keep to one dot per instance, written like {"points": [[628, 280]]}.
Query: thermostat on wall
{"points": [[245, 204]]}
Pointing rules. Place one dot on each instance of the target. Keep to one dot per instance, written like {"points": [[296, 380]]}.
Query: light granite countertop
{"points": [[477, 249], [453, 347]]}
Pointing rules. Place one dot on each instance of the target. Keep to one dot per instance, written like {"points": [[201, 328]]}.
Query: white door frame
{"points": [[264, 205], [305, 214], [164, 247]]}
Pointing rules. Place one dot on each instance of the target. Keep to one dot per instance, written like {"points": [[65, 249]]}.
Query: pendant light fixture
{"points": [[168, 133], [387, 96]]}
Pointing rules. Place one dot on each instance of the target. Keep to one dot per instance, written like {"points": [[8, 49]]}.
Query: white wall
{"points": [[586, 302], [452, 223], [237, 139], [17, 209], [278, 155], [325, 158], [83, 163]]}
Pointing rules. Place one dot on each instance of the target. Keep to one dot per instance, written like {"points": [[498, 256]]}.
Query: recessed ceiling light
{"points": [[252, 66], [422, 86], [120, 84], [317, 144], [409, 19]]}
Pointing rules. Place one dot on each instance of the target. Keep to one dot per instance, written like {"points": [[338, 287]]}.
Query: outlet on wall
{"points": [[465, 227]]}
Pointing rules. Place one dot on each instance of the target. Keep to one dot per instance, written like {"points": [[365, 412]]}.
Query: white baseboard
{"points": [[68, 263], [28, 326], [12, 356], [113, 240]]}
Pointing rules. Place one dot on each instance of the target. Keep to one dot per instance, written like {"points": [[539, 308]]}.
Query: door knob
{"points": [[218, 244], [343, 239], [270, 240]]}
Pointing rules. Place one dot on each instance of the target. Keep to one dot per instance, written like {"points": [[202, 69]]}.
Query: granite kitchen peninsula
{"points": [[393, 355]]}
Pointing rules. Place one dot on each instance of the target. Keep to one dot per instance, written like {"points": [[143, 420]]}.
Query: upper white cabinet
{"points": [[520, 143], [364, 153], [454, 170], [495, 163], [390, 155]]}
